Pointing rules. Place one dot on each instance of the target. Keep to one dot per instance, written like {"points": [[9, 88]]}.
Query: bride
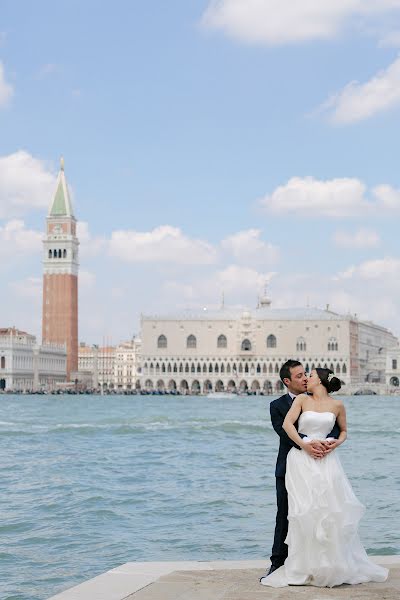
{"points": [[324, 548]]}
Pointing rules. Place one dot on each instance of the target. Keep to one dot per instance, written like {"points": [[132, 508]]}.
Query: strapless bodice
{"points": [[316, 425]]}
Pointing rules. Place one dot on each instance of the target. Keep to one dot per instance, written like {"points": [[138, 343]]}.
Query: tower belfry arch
{"points": [[60, 274]]}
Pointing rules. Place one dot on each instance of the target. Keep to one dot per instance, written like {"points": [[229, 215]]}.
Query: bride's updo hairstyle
{"points": [[328, 380]]}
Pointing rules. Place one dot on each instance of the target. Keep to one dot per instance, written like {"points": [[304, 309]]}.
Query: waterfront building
{"points": [[232, 350], [96, 366], [28, 366], [127, 365], [60, 278], [393, 369], [110, 367]]}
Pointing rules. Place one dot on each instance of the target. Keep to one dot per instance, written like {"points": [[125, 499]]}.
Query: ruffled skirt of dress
{"points": [[324, 547]]}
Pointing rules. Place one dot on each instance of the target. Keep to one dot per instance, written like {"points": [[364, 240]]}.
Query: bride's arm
{"points": [[290, 420], [342, 423]]}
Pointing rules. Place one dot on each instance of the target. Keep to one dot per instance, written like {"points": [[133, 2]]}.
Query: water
{"points": [[91, 482]]}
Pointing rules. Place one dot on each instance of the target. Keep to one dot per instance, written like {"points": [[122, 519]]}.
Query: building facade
{"points": [[60, 278], [393, 369], [110, 368], [230, 350], [27, 366]]}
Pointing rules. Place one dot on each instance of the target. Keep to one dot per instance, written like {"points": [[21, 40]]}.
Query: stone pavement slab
{"points": [[218, 580], [243, 584]]}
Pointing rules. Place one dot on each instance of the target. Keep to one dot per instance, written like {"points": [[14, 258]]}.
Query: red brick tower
{"points": [[60, 277]]}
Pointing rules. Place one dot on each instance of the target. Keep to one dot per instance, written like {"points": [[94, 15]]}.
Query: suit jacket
{"points": [[279, 409]]}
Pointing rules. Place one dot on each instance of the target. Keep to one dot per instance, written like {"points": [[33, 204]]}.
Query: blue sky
{"points": [[209, 146]]}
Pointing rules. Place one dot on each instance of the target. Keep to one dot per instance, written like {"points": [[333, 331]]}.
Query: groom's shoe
{"points": [[271, 570]]}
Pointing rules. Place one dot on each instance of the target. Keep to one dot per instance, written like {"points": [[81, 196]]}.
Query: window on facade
{"points": [[394, 364], [333, 345], [50, 254], [271, 341], [162, 341], [344, 369], [301, 344], [191, 342], [246, 345], [3, 362], [222, 341], [64, 254]]}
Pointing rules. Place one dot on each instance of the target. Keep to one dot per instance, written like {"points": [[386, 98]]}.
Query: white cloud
{"points": [[240, 285], [6, 89], [25, 184], [86, 278], [274, 22], [17, 241], [379, 268], [388, 198], [359, 101], [363, 238], [343, 197], [312, 197], [164, 244], [239, 280], [247, 247], [89, 246], [390, 39], [30, 287]]}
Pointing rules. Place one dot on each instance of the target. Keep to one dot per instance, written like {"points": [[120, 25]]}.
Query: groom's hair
{"points": [[284, 373]]}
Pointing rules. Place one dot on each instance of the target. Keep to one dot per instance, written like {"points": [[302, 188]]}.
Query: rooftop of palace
{"points": [[262, 313], [259, 314]]}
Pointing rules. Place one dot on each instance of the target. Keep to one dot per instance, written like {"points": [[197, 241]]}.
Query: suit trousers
{"points": [[279, 548]]}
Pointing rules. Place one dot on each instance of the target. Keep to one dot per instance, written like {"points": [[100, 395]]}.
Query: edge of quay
{"points": [[123, 581]]}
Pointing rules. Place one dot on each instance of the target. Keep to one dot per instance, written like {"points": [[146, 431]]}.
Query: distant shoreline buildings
{"points": [[26, 365], [241, 351], [194, 352]]}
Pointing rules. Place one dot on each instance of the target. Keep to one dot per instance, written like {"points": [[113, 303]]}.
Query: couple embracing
{"points": [[316, 540]]}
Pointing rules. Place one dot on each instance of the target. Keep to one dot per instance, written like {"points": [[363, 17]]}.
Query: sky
{"points": [[211, 147]]}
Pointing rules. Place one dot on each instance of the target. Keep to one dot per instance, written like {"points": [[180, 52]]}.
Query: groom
{"points": [[293, 376]]}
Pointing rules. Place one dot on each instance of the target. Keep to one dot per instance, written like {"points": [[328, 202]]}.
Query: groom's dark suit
{"points": [[279, 409]]}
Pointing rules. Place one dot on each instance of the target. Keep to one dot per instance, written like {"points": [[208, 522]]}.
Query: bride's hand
{"points": [[314, 448], [330, 445]]}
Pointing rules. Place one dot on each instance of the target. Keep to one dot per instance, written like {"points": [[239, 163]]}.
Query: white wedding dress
{"points": [[324, 547]]}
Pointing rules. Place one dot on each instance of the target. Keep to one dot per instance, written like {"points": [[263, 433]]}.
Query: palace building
{"points": [[233, 350], [60, 279], [25, 366]]}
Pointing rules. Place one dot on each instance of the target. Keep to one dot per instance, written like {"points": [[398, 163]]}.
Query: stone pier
{"points": [[219, 580]]}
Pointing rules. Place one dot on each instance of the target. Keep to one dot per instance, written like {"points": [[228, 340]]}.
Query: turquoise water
{"points": [[91, 482]]}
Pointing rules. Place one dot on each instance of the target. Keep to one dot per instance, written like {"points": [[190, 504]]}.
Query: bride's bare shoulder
{"points": [[301, 398], [337, 403]]}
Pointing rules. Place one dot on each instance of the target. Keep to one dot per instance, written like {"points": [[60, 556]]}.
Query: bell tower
{"points": [[60, 276]]}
